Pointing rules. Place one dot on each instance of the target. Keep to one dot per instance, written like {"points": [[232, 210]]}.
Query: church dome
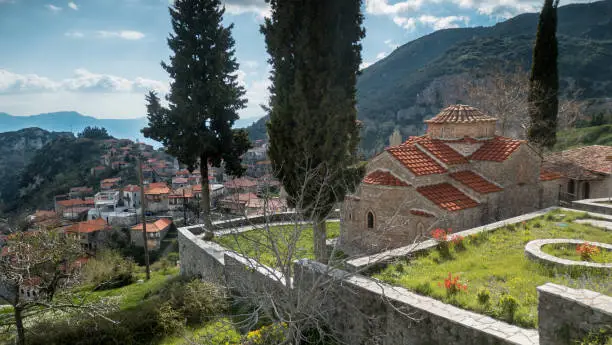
{"points": [[460, 113], [459, 121]]}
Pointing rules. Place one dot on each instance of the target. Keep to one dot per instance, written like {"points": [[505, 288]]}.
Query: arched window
{"points": [[420, 228], [370, 220]]}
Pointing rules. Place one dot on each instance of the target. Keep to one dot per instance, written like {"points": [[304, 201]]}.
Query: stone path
{"points": [[596, 223]]}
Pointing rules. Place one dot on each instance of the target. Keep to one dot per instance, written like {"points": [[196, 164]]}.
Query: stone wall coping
{"points": [[213, 249], [533, 249], [587, 298], [362, 262], [264, 270], [590, 214], [468, 319]]}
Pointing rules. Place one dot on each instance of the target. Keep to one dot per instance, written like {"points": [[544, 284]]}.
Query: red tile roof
{"points": [[131, 188], [88, 226], [442, 151], [447, 197], [546, 175], [240, 183], [460, 113], [497, 149], [76, 202], [583, 162], [157, 226], [421, 213], [475, 182], [383, 178], [415, 160]]}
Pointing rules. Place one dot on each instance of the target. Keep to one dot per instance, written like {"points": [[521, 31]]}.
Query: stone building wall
{"points": [[460, 130], [566, 316]]}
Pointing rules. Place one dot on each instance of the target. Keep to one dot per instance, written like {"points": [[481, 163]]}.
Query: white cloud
{"points": [[123, 34], [391, 44], [382, 7], [74, 34], [381, 55], [82, 81], [236, 7], [439, 23], [404, 22], [53, 8], [73, 6], [250, 64]]}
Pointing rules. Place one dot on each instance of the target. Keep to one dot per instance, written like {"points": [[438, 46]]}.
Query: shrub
{"points": [[484, 296], [423, 289], [267, 335], [169, 319], [196, 300], [108, 270], [452, 285], [508, 305], [441, 236], [587, 251], [537, 225], [458, 242]]}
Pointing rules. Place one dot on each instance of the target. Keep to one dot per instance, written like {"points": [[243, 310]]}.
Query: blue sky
{"points": [[99, 57]]}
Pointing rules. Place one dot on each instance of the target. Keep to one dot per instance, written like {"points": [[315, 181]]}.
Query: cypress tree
{"points": [[204, 94], [544, 80], [315, 55]]}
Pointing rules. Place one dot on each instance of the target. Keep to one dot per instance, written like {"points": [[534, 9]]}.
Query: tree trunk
{"points": [[19, 325], [319, 235], [205, 202]]}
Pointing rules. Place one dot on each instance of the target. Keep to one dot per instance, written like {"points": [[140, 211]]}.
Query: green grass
{"points": [[261, 244], [496, 261], [597, 135], [221, 331], [568, 251]]}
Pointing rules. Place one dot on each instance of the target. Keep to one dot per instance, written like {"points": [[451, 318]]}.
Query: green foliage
{"points": [[205, 94], [196, 300], [497, 262], [600, 337], [508, 305], [267, 335], [484, 296], [108, 270], [313, 134], [424, 289], [600, 135], [96, 133], [544, 80]]}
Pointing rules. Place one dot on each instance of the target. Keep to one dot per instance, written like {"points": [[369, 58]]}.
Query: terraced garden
{"points": [[489, 272]]}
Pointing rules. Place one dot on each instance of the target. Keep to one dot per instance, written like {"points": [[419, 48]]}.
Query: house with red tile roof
{"points": [[157, 194], [459, 175], [156, 232], [91, 233], [586, 171]]}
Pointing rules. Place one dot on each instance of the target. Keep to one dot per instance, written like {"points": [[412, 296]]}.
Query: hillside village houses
{"points": [[458, 175], [156, 232]]}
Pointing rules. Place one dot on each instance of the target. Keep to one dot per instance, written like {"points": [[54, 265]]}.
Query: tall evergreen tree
{"points": [[544, 80], [315, 52], [204, 94]]}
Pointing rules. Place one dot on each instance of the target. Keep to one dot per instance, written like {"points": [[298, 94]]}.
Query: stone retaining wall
{"points": [[361, 310], [200, 258], [567, 315], [593, 205]]}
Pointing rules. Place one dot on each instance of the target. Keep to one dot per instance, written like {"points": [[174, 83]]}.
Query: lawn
{"points": [[493, 266], [261, 244]]}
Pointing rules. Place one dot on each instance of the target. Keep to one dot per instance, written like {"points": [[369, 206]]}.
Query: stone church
{"points": [[458, 175]]}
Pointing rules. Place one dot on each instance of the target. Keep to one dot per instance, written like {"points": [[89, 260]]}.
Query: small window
{"points": [[420, 229], [350, 215], [571, 186], [370, 220]]}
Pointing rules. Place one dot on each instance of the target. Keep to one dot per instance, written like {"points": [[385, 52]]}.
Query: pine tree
{"points": [[315, 55], [204, 94], [544, 80]]}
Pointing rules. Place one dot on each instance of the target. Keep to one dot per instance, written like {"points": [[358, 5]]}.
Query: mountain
{"points": [[71, 121], [390, 92], [16, 151]]}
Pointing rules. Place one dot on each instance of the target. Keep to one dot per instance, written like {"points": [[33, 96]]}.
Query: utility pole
{"points": [[144, 218], [184, 208]]}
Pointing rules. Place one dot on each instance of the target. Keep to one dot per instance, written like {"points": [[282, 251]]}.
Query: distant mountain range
{"points": [[406, 87], [71, 121]]}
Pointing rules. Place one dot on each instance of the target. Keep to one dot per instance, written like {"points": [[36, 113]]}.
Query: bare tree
{"points": [[272, 251], [36, 270]]}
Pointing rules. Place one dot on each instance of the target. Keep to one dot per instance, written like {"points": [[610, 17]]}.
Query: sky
{"points": [[100, 57]]}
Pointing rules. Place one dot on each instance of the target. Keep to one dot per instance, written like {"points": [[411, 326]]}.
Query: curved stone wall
{"points": [[533, 250]]}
